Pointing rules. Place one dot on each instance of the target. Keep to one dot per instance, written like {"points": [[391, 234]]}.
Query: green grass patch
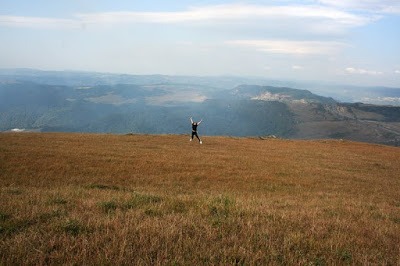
{"points": [[47, 216], [178, 206], [395, 220], [58, 200], [139, 200], [108, 206], [152, 212], [221, 206], [72, 227], [4, 216], [10, 226], [105, 187], [14, 191], [220, 209], [345, 256]]}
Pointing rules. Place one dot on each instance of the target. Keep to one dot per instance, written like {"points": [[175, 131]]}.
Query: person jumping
{"points": [[194, 130]]}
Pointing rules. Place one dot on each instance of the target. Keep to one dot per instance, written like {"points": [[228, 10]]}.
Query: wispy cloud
{"points": [[361, 71], [291, 47], [203, 14], [228, 12], [296, 67], [38, 22], [397, 71], [373, 6]]}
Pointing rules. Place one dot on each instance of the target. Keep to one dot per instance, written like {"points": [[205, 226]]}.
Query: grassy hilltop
{"points": [[162, 200]]}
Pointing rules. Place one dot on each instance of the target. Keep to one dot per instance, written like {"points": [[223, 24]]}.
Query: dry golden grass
{"points": [[162, 200]]}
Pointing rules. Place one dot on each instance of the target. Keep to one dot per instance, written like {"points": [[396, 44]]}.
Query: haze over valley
{"points": [[32, 100]]}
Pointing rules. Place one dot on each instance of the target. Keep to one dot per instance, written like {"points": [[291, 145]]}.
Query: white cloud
{"points": [[314, 14], [392, 9], [38, 22], [296, 67], [361, 71], [228, 12], [373, 6], [397, 71], [291, 47]]}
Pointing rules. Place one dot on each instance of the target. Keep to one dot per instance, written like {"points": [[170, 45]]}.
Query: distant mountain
{"points": [[319, 117], [371, 95], [95, 102], [340, 92]]}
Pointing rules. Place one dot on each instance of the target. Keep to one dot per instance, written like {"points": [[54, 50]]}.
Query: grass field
{"points": [[87, 199]]}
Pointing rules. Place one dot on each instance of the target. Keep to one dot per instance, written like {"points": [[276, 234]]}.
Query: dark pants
{"points": [[194, 133]]}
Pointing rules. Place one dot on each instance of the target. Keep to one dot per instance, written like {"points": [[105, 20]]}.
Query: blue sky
{"points": [[350, 42]]}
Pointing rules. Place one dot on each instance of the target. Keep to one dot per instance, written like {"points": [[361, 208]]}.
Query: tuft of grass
{"points": [[178, 206], [72, 227], [108, 206], [4, 225], [105, 187], [221, 206], [47, 216], [14, 191], [138, 200], [4, 216], [220, 209], [345, 256], [11, 226], [395, 220], [152, 212], [319, 261], [58, 200]]}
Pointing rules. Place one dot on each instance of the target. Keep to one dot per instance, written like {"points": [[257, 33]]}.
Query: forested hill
{"points": [[158, 105]]}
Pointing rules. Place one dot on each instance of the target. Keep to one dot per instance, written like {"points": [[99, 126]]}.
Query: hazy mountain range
{"points": [[97, 102]]}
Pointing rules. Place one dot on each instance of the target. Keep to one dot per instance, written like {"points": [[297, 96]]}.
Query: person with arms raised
{"points": [[194, 130]]}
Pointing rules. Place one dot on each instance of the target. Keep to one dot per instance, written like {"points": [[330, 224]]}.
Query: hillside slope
{"points": [[159, 105], [160, 199], [317, 117]]}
